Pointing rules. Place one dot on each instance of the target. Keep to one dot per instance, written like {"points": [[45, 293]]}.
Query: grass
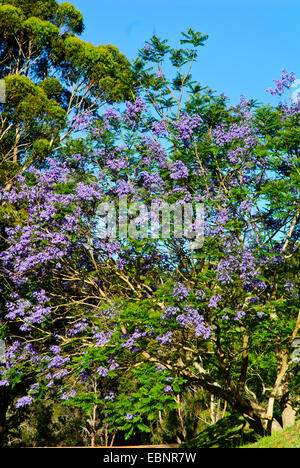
{"points": [[289, 438], [229, 432], [233, 432]]}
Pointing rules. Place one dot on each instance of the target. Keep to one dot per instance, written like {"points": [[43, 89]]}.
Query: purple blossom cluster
{"points": [[178, 170], [130, 342], [87, 193], [133, 112], [102, 371], [78, 327], [244, 132], [24, 401], [110, 396], [214, 301], [181, 291], [285, 82], [109, 313], [160, 128], [240, 314], [82, 121], [68, 395], [151, 180], [170, 312], [152, 151], [168, 388], [289, 286], [192, 319], [242, 264], [117, 164], [111, 114], [200, 295], [111, 248], [45, 236], [165, 338], [123, 188], [26, 313], [186, 125], [102, 338]]}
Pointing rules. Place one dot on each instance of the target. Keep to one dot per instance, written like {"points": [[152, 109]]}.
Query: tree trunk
{"points": [[288, 413], [4, 401]]}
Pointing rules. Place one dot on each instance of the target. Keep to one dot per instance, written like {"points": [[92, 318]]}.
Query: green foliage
{"points": [[51, 77], [142, 398], [69, 16], [47, 424], [230, 432]]}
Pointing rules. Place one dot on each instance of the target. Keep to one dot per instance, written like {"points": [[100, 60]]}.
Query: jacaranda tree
{"points": [[124, 316]]}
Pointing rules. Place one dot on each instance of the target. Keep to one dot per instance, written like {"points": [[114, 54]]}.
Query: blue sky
{"points": [[250, 41]]}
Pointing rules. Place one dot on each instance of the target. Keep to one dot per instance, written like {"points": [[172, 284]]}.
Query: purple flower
{"points": [[55, 349], [245, 205], [199, 295], [111, 114], [159, 128], [160, 368], [84, 375], [186, 126], [102, 338], [58, 361], [87, 192], [34, 389], [121, 263], [159, 74], [117, 164], [68, 395], [113, 364], [224, 135], [181, 291], [286, 81], [111, 396], [123, 188], [192, 318], [239, 315], [214, 300], [168, 388], [111, 248], [83, 121], [178, 170], [169, 312], [151, 180], [133, 111], [289, 286], [4, 383], [61, 373], [129, 416], [78, 328], [102, 371], [40, 296], [24, 401], [166, 338]]}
